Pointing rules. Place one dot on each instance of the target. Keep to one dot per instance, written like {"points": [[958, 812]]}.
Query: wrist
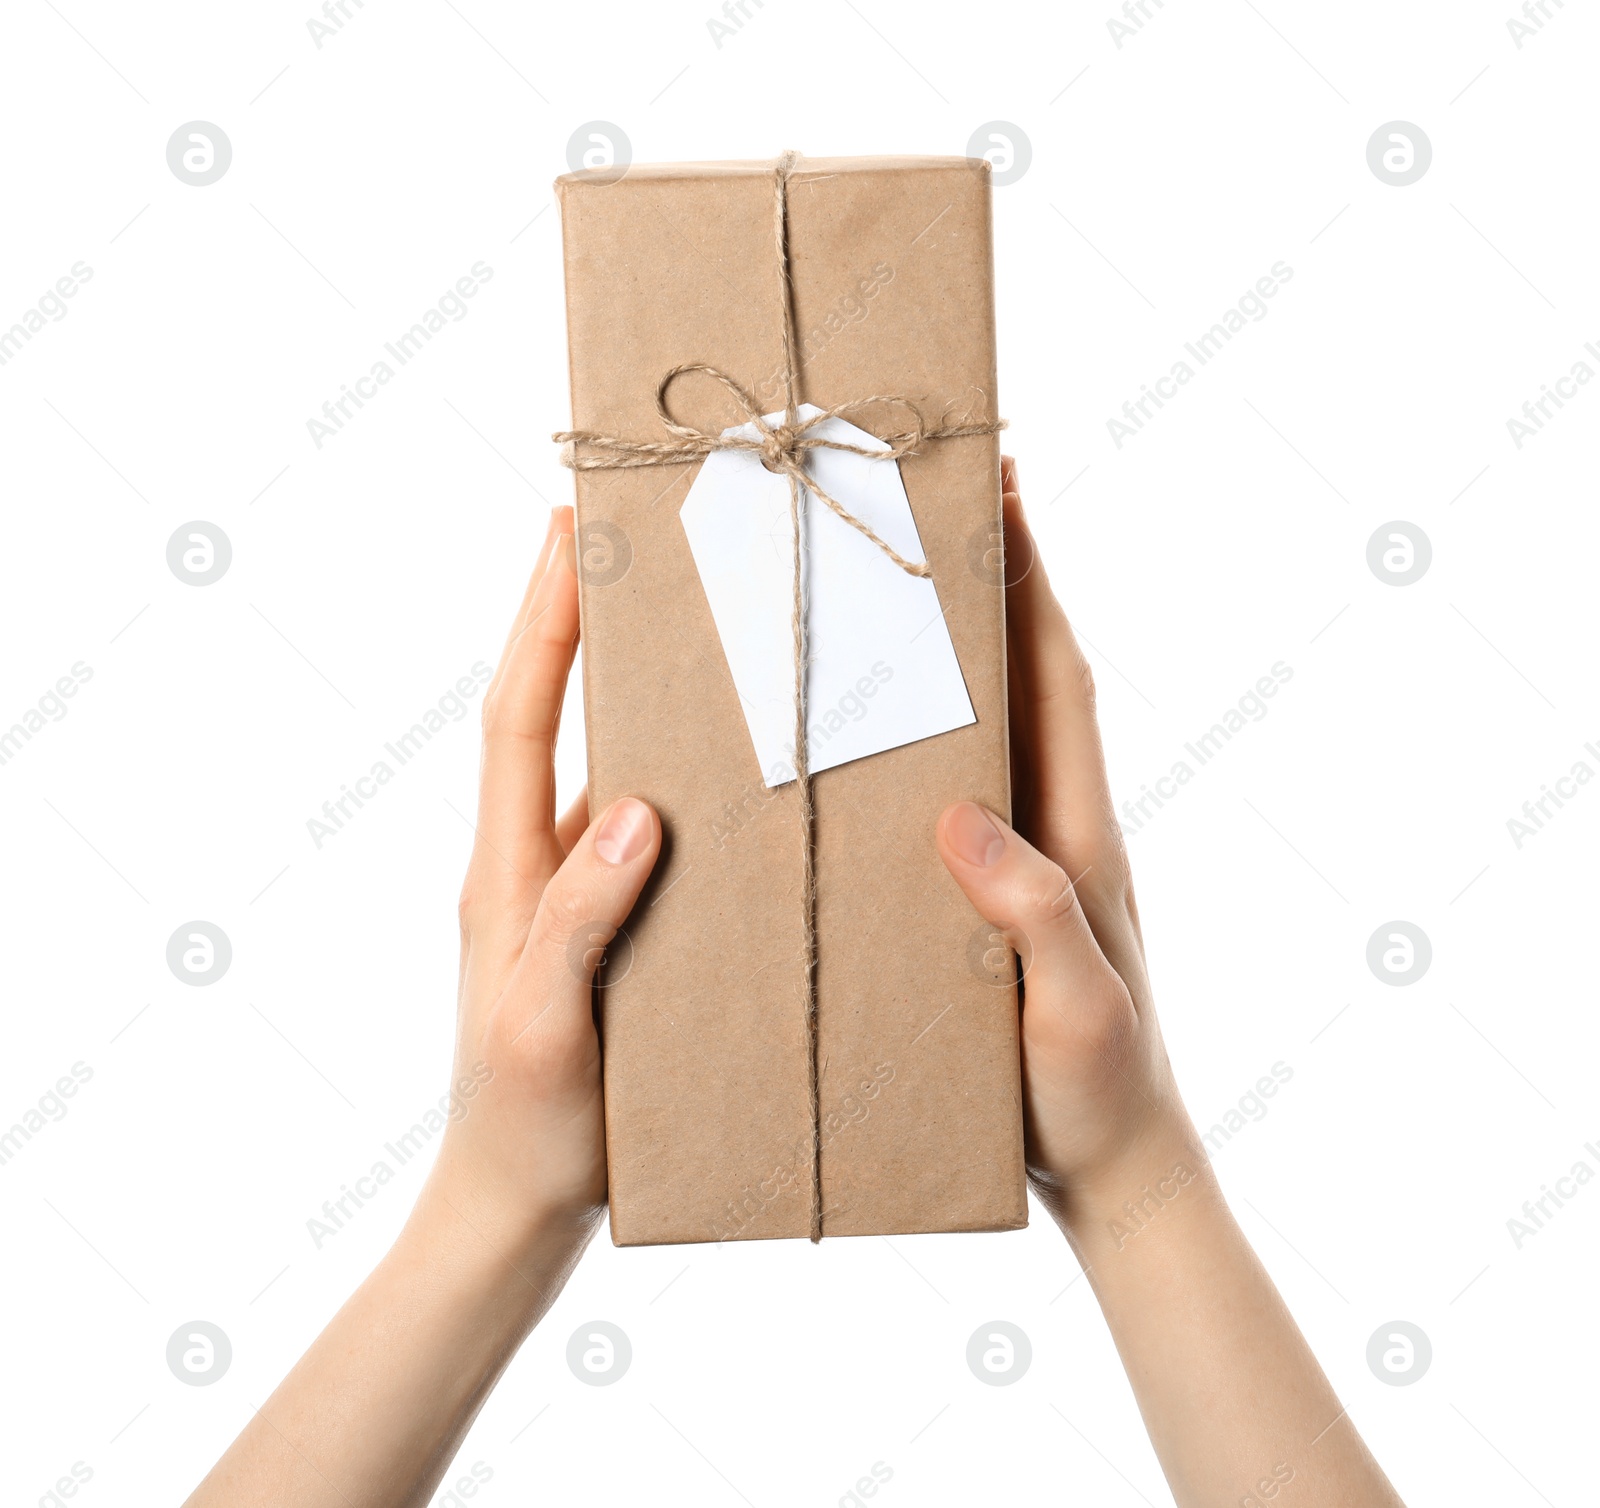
{"points": [[518, 1191], [1102, 1207], [514, 1257]]}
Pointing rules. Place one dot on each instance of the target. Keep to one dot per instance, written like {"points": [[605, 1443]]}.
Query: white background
{"points": [[1167, 175]]}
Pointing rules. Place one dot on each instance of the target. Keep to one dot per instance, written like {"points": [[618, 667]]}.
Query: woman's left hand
{"points": [[525, 1150]]}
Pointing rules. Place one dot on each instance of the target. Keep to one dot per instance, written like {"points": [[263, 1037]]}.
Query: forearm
{"points": [[1236, 1405], [374, 1412]]}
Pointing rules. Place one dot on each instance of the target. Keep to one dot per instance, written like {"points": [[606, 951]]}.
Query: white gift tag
{"points": [[882, 670]]}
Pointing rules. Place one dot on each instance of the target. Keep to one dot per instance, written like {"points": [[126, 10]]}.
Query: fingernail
{"points": [[624, 832], [973, 835], [562, 528], [549, 539]]}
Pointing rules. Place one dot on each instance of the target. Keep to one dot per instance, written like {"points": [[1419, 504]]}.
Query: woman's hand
{"points": [[376, 1409], [1103, 1115], [542, 899], [1236, 1405]]}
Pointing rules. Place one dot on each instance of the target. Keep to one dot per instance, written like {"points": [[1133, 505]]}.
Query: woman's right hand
{"points": [[1235, 1402], [1102, 1111]]}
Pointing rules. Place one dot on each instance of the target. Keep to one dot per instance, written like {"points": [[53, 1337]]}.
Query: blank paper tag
{"points": [[882, 669]]}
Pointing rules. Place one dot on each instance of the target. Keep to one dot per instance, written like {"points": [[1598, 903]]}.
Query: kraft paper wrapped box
{"points": [[710, 1129]]}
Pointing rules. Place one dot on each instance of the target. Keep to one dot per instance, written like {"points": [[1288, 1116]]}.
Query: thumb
{"points": [[579, 915], [1030, 899]]}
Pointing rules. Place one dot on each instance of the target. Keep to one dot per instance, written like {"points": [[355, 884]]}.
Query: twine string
{"points": [[782, 451], [782, 447]]}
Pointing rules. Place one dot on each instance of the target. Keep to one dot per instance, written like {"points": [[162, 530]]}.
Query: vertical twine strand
{"points": [[808, 856]]}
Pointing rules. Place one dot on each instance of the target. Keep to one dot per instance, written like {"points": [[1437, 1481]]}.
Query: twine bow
{"points": [[782, 448]]}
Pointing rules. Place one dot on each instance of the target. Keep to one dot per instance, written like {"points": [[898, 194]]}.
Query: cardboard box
{"points": [[706, 1046]]}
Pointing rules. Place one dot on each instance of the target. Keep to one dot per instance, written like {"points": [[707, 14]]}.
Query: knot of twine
{"points": [[782, 448]]}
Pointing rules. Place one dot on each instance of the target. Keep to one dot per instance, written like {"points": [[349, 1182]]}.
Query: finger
{"points": [[521, 619], [1058, 687], [1029, 897], [582, 909], [517, 848], [1070, 811], [1069, 806], [1020, 719], [573, 821]]}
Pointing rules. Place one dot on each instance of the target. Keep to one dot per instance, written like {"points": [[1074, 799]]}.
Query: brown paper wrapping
{"points": [[708, 1124]]}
